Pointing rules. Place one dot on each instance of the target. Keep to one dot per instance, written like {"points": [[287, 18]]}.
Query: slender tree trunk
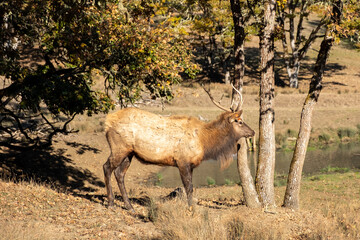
{"points": [[239, 41], [293, 73], [291, 199], [266, 160], [247, 182]]}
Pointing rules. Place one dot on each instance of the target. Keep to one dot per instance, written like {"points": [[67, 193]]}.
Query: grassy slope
{"points": [[329, 211]]}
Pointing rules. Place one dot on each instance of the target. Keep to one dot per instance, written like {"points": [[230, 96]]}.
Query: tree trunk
{"points": [[293, 73], [239, 41], [291, 199], [247, 182], [266, 160]]}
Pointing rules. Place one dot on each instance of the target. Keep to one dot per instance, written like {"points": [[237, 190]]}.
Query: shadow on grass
{"points": [[51, 167], [48, 167], [82, 147], [217, 204]]}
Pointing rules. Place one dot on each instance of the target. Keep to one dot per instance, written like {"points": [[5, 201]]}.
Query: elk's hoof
{"points": [[111, 205], [130, 208]]}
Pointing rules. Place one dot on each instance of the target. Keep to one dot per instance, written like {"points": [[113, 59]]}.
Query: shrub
{"points": [[280, 180], [292, 133], [229, 182], [324, 137], [330, 169], [279, 138], [159, 179], [346, 132], [210, 181]]}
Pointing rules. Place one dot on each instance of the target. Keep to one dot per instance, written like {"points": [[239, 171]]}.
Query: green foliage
{"points": [[279, 138], [210, 181], [330, 169], [53, 52], [292, 133], [324, 137], [358, 128], [285, 141], [159, 179], [346, 132], [229, 182], [280, 180]]}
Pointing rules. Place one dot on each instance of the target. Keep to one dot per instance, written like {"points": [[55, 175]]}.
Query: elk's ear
{"points": [[240, 113], [235, 117]]}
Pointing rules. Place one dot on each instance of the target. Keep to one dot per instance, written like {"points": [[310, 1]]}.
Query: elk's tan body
{"points": [[179, 141], [157, 139]]}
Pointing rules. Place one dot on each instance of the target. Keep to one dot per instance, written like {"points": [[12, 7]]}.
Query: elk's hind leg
{"points": [[113, 162], [107, 174], [120, 175]]}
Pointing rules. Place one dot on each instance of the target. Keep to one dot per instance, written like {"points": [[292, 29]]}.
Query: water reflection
{"points": [[343, 156]]}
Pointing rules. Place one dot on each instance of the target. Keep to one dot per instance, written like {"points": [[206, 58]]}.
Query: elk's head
{"points": [[241, 129]]}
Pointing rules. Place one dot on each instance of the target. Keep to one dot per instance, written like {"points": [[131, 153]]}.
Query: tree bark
{"points": [[266, 159], [291, 199], [239, 41], [293, 73], [247, 182]]}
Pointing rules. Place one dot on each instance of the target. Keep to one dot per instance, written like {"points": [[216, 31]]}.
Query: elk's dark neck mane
{"points": [[218, 141]]}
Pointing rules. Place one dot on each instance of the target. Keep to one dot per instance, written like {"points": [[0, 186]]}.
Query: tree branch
{"points": [[311, 38]]}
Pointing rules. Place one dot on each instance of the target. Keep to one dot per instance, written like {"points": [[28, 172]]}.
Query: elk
{"points": [[179, 141]]}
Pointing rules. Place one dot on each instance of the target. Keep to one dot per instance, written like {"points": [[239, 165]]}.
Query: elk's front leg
{"points": [[186, 177]]}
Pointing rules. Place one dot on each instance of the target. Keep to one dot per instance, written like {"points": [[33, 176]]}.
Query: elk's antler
{"points": [[241, 97], [214, 102]]}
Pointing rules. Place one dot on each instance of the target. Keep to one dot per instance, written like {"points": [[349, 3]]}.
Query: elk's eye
{"points": [[237, 120]]}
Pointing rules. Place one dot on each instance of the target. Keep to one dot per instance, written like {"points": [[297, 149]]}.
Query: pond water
{"points": [[342, 156]]}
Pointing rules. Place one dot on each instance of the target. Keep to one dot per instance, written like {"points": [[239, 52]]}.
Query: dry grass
{"points": [[18, 230], [176, 221], [329, 210]]}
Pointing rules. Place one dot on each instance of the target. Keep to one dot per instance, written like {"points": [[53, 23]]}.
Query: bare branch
{"points": [[313, 35], [17, 120], [304, 5], [57, 130]]}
